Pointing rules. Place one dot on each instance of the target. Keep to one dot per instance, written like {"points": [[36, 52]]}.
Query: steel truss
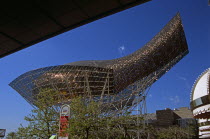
{"points": [[121, 84]]}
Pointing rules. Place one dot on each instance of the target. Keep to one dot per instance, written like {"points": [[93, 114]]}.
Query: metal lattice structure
{"points": [[119, 83]]}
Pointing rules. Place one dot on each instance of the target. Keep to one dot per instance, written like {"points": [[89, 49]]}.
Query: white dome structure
{"points": [[200, 103], [200, 98]]}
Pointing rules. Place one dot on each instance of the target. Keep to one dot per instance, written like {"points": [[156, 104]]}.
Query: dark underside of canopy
{"points": [[27, 22]]}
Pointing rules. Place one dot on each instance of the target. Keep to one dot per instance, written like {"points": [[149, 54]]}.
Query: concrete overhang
{"points": [[27, 22]]}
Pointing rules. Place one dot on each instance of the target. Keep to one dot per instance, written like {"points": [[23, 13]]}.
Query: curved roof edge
{"points": [[197, 80]]}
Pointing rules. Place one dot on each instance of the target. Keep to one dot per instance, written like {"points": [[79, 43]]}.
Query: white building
{"points": [[200, 103]]}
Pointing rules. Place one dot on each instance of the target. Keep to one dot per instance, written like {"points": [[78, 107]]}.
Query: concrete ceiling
{"points": [[27, 22]]}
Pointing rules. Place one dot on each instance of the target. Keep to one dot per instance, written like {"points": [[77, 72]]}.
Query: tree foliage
{"points": [[90, 120], [175, 132], [11, 135], [43, 120], [85, 118]]}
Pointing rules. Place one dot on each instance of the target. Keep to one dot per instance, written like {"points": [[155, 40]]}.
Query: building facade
{"points": [[200, 103]]}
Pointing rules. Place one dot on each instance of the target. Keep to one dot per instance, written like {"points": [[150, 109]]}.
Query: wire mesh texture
{"points": [[115, 82]]}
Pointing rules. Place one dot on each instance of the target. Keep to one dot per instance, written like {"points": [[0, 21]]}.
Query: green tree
{"points": [[43, 121], [11, 135], [84, 118], [44, 118], [91, 120], [175, 132]]}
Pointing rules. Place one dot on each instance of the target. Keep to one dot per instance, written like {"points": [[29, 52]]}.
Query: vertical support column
{"points": [[105, 86], [87, 87]]}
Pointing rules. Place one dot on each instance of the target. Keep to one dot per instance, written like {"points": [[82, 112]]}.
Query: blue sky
{"points": [[104, 39]]}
